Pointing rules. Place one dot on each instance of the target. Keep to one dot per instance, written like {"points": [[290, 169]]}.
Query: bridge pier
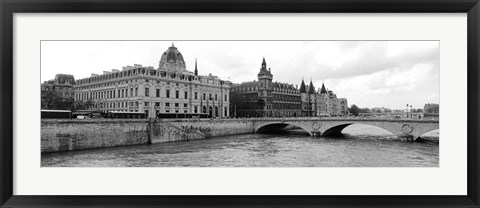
{"points": [[407, 137], [316, 133]]}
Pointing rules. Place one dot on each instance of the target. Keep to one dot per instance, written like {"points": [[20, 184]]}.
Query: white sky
{"points": [[368, 73]]}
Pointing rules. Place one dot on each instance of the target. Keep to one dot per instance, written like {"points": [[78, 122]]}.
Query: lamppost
{"points": [[411, 111], [407, 110]]}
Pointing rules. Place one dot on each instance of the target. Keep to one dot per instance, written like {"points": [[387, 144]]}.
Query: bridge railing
{"points": [[306, 118]]}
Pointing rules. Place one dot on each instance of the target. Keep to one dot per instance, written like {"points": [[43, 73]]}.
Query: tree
{"points": [[82, 105], [354, 110], [49, 99], [53, 101], [365, 110]]}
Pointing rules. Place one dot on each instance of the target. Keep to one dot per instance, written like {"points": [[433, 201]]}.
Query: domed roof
{"points": [[172, 60], [172, 54]]}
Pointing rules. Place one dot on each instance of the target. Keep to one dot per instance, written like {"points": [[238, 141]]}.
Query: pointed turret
{"points": [[302, 87], [311, 89], [264, 64], [196, 70], [264, 71], [323, 90]]}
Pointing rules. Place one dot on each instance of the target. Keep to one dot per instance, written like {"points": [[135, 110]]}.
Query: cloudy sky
{"points": [[368, 73]]}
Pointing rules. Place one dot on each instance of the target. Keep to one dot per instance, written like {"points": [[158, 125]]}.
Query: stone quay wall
{"points": [[161, 131], [216, 127], [66, 135]]}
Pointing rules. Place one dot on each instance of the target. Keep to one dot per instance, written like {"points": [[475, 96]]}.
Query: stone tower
{"points": [[312, 100], [265, 89], [304, 98]]}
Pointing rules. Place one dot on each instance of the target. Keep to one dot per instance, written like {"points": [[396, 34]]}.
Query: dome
{"points": [[172, 60], [172, 54]]}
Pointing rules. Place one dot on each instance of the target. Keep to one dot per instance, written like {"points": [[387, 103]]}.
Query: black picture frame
{"points": [[9, 7]]}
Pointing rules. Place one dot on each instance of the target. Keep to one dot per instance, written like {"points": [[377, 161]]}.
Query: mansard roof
{"points": [[283, 86], [64, 79], [248, 84]]}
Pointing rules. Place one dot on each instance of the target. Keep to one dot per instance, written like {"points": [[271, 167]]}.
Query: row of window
{"points": [[56, 88], [286, 97], [131, 81], [167, 108], [285, 106], [124, 93]]}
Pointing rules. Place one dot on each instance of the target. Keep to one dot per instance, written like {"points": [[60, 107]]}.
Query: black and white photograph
{"points": [[237, 103]]}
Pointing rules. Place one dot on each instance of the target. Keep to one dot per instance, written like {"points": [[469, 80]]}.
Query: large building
{"points": [[58, 93], [168, 89], [264, 98]]}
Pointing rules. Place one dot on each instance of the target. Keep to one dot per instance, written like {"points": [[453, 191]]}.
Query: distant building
{"points": [[431, 110], [58, 93], [322, 102], [168, 89], [264, 98]]}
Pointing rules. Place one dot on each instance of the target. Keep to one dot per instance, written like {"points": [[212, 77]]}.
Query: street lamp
{"points": [[411, 115], [407, 110]]}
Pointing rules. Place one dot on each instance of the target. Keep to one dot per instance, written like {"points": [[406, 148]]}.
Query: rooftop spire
{"points": [[302, 87], [311, 89], [264, 63], [323, 90], [196, 70]]}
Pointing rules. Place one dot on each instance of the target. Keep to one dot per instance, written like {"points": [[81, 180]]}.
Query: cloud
{"points": [[373, 57]]}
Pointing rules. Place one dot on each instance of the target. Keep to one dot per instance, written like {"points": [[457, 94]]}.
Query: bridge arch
{"points": [[424, 131], [269, 126], [409, 129], [336, 129]]}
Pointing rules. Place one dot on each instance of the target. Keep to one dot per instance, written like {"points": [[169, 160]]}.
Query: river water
{"points": [[362, 146]]}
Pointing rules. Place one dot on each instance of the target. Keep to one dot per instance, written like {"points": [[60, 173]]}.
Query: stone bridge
{"points": [[406, 128]]}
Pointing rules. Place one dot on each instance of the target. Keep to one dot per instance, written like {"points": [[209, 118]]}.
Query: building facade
{"points": [[264, 98], [58, 93], [168, 89], [322, 103]]}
